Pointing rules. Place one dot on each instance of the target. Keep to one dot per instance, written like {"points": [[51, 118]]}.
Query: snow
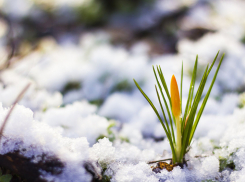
{"points": [[124, 110], [121, 133], [139, 172], [33, 138], [70, 130]]}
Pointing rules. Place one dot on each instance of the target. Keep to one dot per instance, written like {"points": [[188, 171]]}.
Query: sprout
{"points": [[184, 123]]}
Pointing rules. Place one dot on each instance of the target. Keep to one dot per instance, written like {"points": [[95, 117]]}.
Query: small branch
{"points": [[151, 162], [197, 156], [10, 111]]}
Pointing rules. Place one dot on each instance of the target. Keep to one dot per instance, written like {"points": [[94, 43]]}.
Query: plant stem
{"points": [[179, 143]]}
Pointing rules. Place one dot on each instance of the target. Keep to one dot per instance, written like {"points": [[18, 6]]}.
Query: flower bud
{"points": [[175, 98]]}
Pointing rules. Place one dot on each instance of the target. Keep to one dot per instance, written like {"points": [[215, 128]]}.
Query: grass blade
{"points": [[191, 118], [181, 86], [193, 85], [162, 110], [213, 62], [205, 98], [167, 92], [166, 105], [193, 79], [154, 108], [159, 70]]}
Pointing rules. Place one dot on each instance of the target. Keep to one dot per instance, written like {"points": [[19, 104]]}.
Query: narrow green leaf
{"points": [[167, 92], [181, 87], [193, 86], [153, 107], [146, 97], [213, 63], [191, 118], [162, 110], [166, 105], [169, 133], [205, 99], [193, 79], [159, 70]]}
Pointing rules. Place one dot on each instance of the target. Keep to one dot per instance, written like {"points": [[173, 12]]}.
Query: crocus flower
{"points": [[185, 124], [175, 100]]}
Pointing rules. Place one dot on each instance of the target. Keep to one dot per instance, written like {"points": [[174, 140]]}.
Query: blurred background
{"points": [[92, 49], [161, 24]]}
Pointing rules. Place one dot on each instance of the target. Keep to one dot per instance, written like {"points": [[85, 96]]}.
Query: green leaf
{"points": [[193, 86], [5, 178], [166, 105], [206, 97], [149, 101], [193, 79], [181, 86], [162, 110], [159, 70], [213, 62], [154, 108], [189, 124]]}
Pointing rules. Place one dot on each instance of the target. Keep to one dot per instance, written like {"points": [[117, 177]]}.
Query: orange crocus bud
{"points": [[175, 98]]}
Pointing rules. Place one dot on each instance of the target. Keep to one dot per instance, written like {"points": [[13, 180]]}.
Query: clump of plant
{"points": [[182, 125], [111, 135]]}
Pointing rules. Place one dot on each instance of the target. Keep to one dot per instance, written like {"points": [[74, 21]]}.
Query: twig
{"points": [[151, 162], [10, 111], [197, 156]]}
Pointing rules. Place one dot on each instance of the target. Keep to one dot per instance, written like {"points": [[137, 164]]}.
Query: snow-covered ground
{"points": [[83, 107]]}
